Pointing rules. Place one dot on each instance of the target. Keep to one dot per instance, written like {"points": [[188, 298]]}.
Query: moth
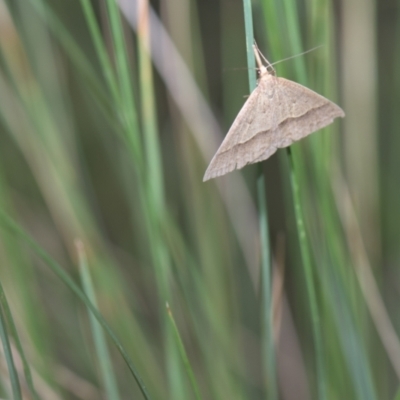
{"points": [[276, 114]]}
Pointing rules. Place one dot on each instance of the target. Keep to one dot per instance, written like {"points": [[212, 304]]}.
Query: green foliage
{"points": [[282, 281]]}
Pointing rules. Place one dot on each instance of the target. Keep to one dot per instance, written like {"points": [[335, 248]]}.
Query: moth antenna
{"points": [[296, 55], [268, 63], [238, 69], [261, 66]]}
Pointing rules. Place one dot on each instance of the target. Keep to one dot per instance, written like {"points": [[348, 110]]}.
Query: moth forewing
{"points": [[277, 113]]}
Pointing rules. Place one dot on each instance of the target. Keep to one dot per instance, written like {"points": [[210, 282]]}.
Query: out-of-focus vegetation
{"points": [[109, 114]]}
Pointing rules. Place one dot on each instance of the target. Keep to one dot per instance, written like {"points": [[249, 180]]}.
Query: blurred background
{"points": [[110, 112]]}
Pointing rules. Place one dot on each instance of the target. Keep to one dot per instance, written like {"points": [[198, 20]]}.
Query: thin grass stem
{"points": [[11, 324], [183, 354], [14, 228], [266, 270], [106, 367], [308, 270], [15, 385]]}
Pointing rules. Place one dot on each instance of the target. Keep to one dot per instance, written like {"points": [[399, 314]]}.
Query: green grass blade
{"points": [[15, 385], [268, 342], [79, 59], [292, 22], [397, 395], [183, 354], [248, 24], [28, 376], [274, 38], [149, 117], [267, 310], [308, 270], [354, 353], [13, 227], [151, 190], [106, 368], [125, 80], [100, 48]]}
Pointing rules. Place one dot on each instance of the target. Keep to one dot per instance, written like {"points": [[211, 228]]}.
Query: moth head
{"points": [[262, 69], [266, 70]]}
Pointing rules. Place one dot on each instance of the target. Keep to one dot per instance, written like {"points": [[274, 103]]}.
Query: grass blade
{"points": [[100, 48], [28, 376], [268, 342], [308, 270], [125, 81], [15, 385], [248, 24], [151, 141], [397, 395], [13, 227], [183, 354], [106, 368], [267, 309]]}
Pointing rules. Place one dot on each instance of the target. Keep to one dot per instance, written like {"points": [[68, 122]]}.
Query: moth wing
{"points": [[277, 113], [251, 120], [302, 112]]}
